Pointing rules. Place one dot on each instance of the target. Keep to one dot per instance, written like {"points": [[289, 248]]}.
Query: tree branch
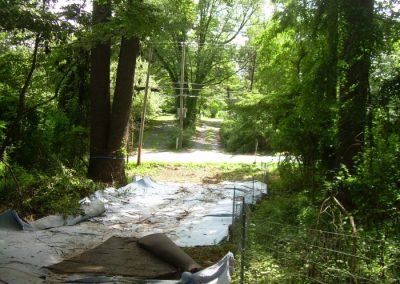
{"points": [[241, 26], [172, 75]]}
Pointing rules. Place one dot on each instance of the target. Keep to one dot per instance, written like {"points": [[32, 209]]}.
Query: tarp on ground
{"points": [[9, 220], [189, 214], [153, 256], [117, 256], [219, 273]]}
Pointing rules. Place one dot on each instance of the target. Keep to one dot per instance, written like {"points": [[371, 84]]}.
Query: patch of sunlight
{"points": [[167, 117]]}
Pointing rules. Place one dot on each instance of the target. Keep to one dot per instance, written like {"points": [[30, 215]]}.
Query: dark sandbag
{"points": [[9, 220], [161, 246]]}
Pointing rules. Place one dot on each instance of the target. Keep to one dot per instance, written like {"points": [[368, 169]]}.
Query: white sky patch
{"points": [[267, 12], [62, 3], [268, 9]]}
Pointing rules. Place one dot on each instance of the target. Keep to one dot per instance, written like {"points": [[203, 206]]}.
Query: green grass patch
{"points": [[167, 117], [195, 172], [161, 134]]}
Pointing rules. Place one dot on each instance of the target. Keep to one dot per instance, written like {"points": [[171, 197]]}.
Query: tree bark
{"points": [[122, 100], [121, 106], [100, 99], [109, 122], [331, 77], [354, 89], [354, 85]]}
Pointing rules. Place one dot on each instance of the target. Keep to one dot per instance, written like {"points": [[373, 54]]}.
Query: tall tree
{"points": [[208, 28], [109, 121], [356, 41]]}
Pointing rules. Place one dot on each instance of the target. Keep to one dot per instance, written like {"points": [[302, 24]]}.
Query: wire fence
{"points": [[241, 216], [316, 256], [298, 254], [238, 233]]}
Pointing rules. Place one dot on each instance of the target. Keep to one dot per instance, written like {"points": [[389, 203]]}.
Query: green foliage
{"points": [[212, 102], [207, 25], [292, 241], [61, 193], [38, 194], [153, 109], [248, 125], [188, 134], [374, 184]]}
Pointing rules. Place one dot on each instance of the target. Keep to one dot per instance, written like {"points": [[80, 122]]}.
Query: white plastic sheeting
{"points": [[219, 273], [90, 210], [191, 215]]}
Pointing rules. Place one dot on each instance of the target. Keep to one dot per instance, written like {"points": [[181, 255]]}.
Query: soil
{"points": [[205, 148]]}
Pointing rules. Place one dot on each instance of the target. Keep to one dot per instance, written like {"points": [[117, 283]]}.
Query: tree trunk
{"points": [[99, 168], [331, 75], [122, 101], [354, 89], [191, 104], [332, 55], [354, 85], [108, 126]]}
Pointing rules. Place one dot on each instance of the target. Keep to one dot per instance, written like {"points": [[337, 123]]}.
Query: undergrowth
{"points": [[293, 240], [35, 194]]}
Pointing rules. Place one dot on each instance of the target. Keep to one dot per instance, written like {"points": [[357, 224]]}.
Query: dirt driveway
{"points": [[206, 148]]}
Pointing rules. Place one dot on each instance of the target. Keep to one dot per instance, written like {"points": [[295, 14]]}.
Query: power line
{"points": [[194, 43]]}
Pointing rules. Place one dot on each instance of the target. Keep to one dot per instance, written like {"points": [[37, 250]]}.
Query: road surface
{"points": [[205, 149]]}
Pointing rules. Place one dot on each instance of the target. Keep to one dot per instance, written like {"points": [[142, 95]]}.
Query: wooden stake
{"points": [[181, 97], [146, 91]]}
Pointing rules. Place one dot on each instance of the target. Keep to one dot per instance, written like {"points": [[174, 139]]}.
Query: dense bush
{"points": [[247, 125], [37, 194]]}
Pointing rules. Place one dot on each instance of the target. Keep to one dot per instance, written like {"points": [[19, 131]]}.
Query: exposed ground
{"points": [[160, 141], [209, 173]]}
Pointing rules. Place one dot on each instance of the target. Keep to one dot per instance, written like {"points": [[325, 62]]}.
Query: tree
{"points": [[108, 123], [28, 30], [208, 29], [356, 43]]}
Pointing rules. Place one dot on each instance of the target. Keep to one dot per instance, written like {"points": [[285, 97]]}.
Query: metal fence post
{"points": [[252, 200], [233, 210], [243, 241]]}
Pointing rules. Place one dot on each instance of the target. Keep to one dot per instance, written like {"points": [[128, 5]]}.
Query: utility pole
{"points": [[146, 91], [181, 113], [253, 69]]}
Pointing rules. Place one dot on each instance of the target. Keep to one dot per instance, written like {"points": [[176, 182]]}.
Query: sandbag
{"points": [[161, 246]]}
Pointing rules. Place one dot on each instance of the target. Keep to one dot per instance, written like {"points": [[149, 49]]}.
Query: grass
{"points": [[209, 137], [209, 255], [209, 173], [160, 133]]}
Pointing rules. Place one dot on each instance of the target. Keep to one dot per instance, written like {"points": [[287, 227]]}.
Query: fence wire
{"points": [[297, 254], [316, 256], [241, 216]]}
